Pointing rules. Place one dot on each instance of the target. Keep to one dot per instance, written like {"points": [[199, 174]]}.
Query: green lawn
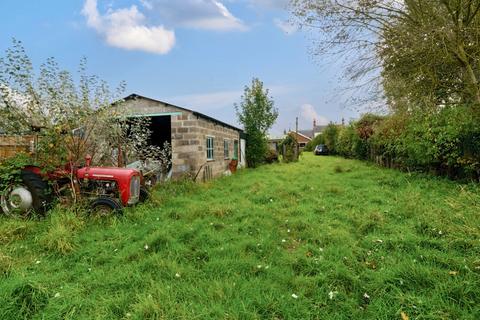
{"points": [[325, 238]]}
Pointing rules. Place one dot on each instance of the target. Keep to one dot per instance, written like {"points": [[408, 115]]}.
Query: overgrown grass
{"points": [[325, 238]]}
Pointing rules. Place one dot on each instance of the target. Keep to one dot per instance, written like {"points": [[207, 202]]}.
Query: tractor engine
{"points": [[118, 183], [99, 188]]}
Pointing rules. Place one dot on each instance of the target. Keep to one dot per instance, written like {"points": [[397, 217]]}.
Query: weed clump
{"points": [[220, 211], [334, 190], [373, 222], [60, 236], [26, 300], [5, 264], [11, 231], [165, 191]]}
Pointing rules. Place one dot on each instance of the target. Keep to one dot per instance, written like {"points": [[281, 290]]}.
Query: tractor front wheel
{"points": [[105, 206], [144, 195]]}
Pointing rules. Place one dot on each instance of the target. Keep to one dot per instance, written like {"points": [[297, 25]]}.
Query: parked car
{"points": [[321, 149]]}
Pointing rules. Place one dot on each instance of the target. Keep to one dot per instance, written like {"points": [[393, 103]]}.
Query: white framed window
{"points": [[235, 150], [210, 148], [226, 149]]}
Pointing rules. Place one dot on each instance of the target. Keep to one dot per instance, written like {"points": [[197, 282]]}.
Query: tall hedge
{"points": [[445, 143]]}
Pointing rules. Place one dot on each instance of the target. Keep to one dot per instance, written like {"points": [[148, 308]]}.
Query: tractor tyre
{"points": [[104, 206], [40, 190], [34, 196], [144, 195]]}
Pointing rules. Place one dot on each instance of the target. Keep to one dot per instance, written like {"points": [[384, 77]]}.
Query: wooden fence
{"points": [[11, 145]]}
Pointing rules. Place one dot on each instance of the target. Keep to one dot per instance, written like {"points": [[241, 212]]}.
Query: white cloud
{"points": [[91, 13], [286, 26], [308, 113], [223, 21], [195, 14], [127, 29], [130, 29]]}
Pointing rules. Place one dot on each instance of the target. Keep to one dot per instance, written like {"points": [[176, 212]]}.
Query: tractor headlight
{"points": [[134, 190]]}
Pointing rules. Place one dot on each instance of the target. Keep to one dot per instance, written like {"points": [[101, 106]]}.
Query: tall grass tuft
{"points": [[25, 301], [60, 235], [5, 264], [13, 230]]}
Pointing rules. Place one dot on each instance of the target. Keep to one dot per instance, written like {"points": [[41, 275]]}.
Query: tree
{"points": [[71, 117], [257, 113], [434, 55], [330, 135], [427, 51]]}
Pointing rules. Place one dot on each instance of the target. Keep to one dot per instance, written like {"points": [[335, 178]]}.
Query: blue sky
{"points": [[195, 53]]}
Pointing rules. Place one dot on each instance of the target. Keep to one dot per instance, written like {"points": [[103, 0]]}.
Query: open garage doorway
{"points": [[161, 128], [155, 163]]}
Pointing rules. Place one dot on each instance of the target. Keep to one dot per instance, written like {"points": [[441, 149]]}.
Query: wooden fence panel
{"points": [[11, 145]]}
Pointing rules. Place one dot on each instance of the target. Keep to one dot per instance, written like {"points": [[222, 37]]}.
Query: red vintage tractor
{"points": [[107, 189]]}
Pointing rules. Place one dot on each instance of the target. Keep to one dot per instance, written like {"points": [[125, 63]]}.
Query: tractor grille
{"points": [[134, 190]]}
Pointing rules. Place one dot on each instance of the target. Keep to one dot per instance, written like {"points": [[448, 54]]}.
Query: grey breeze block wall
{"points": [[189, 138]]}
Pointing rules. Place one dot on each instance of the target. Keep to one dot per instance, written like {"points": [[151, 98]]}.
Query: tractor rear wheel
{"points": [[32, 195], [104, 206]]}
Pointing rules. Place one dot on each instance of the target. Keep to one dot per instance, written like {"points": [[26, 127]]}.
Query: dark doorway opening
{"points": [[160, 132], [161, 128]]}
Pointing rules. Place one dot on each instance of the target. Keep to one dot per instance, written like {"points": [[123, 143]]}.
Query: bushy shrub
{"points": [[257, 147], [319, 139], [386, 137], [346, 140], [11, 167], [289, 149], [330, 135], [446, 142], [271, 156], [365, 128]]}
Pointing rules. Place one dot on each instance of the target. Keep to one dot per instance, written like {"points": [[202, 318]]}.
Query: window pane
{"points": [[235, 149], [225, 149], [210, 148]]}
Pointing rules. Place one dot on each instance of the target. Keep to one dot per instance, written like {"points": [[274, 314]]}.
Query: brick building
{"points": [[301, 139], [316, 130], [201, 145]]}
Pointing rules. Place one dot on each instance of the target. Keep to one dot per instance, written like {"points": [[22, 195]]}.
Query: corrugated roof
{"points": [[198, 114]]}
